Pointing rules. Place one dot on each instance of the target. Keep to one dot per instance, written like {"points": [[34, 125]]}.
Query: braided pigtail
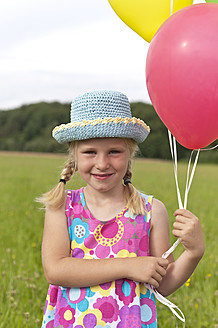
{"points": [[132, 197], [55, 198]]}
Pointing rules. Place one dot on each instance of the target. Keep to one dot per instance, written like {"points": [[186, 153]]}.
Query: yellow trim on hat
{"points": [[105, 120]]}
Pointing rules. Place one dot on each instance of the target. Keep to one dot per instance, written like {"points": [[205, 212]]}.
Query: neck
{"points": [[104, 206], [97, 197]]}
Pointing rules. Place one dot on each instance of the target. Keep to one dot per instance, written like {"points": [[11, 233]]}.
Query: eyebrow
{"points": [[110, 147]]}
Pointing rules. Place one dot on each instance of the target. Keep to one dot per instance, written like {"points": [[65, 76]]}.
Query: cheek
{"points": [[122, 165], [82, 165]]}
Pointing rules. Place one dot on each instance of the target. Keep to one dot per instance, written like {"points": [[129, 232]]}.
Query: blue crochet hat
{"points": [[101, 114]]}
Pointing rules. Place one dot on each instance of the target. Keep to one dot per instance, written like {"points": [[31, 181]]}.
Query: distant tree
{"points": [[28, 128]]}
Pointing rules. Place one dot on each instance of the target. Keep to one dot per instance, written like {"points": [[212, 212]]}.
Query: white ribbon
{"points": [[175, 310], [172, 141], [171, 7]]}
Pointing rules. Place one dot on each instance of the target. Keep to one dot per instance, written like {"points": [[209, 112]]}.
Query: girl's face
{"points": [[102, 163]]}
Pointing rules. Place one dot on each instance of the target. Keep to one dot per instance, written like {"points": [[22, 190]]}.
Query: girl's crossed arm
{"points": [[63, 270], [186, 227]]}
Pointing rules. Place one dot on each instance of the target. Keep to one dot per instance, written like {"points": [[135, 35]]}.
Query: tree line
{"points": [[28, 128]]}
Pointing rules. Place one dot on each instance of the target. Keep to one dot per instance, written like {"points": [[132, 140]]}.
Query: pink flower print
{"points": [[108, 307], [97, 250], [148, 311], [53, 292], [132, 245], [90, 242], [78, 252], [128, 230], [77, 209], [148, 207], [103, 289], [140, 219], [105, 236], [66, 316], [91, 319], [130, 317], [50, 324], [76, 197], [93, 223], [125, 289], [109, 234], [133, 232], [102, 251], [140, 230], [144, 246]]}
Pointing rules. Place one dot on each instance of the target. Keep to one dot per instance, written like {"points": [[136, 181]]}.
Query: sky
{"points": [[56, 50]]}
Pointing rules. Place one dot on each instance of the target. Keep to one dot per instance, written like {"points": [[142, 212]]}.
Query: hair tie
{"points": [[127, 180], [63, 180]]}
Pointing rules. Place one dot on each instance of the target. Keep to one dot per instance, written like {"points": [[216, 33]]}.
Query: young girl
{"points": [[103, 242]]}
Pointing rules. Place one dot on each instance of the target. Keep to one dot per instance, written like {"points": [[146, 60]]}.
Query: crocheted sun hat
{"points": [[101, 114]]}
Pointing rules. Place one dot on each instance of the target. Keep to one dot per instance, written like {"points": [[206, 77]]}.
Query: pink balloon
{"points": [[182, 74]]}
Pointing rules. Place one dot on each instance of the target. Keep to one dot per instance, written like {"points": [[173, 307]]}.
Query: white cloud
{"points": [[55, 50]]}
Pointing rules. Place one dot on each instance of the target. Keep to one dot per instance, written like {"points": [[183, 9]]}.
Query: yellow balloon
{"points": [[146, 16]]}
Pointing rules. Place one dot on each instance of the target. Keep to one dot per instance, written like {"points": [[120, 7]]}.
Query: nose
{"points": [[102, 162]]}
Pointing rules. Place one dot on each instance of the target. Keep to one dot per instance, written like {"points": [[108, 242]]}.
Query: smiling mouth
{"points": [[102, 176]]}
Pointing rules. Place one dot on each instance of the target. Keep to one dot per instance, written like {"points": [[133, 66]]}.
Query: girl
{"points": [[103, 242]]}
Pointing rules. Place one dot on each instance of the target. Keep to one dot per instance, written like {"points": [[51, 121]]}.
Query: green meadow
{"points": [[23, 177]]}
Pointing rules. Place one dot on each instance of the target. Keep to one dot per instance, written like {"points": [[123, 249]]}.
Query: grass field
{"points": [[22, 283]]}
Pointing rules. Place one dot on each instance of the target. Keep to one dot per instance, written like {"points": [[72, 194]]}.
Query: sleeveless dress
{"points": [[122, 303]]}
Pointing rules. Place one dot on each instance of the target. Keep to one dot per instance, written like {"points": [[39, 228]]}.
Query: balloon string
{"points": [[173, 149], [189, 179], [171, 7], [171, 249], [175, 310], [209, 148]]}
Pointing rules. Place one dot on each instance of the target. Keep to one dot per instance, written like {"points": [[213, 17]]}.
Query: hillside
{"points": [[28, 128]]}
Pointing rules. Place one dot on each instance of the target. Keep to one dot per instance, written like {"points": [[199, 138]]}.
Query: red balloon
{"points": [[182, 74]]}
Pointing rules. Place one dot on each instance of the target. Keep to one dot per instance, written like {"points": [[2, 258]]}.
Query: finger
{"points": [[177, 233], [184, 213], [161, 271], [182, 219], [163, 262], [178, 225], [154, 282], [157, 277]]}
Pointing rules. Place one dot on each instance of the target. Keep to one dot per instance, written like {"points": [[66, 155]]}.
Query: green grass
{"points": [[22, 282]]}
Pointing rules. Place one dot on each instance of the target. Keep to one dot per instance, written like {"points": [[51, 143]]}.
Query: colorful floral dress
{"points": [[122, 303]]}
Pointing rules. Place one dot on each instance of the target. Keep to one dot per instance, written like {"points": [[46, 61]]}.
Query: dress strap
{"points": [[69, 195], [148, 206]]}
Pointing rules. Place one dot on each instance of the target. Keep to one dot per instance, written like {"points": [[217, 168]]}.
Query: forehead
{"points": [[103, 142]]}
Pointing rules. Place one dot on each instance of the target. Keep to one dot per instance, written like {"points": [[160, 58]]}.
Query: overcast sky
{"points": [[56, 50]]}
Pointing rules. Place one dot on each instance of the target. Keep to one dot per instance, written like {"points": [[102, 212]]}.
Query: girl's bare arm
{"points": [[187, 228], [63, 270]]}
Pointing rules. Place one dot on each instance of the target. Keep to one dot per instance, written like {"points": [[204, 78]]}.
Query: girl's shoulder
{"points": [[159, 214]]}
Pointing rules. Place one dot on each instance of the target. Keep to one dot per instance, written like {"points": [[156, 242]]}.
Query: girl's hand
{"points": [[147, 269], [188, 229]]}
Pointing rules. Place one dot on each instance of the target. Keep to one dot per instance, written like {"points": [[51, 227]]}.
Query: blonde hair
{"points": [[55, 198], [132, 196]]}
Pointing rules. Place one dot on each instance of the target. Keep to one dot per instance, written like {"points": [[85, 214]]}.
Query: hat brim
{"points": [[133, 128]]}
